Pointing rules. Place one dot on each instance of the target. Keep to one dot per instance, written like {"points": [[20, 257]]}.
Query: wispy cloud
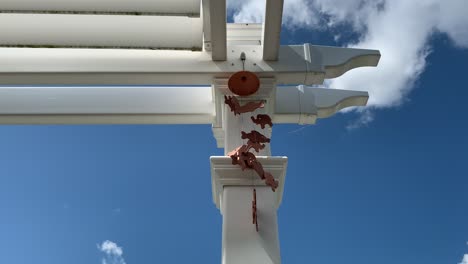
{"points": [[364, 119], [400, 29], [112, 253], [465, 259]]}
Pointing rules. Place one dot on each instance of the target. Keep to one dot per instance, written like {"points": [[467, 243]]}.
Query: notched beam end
{"points": [[363, 58], [336, 60], [303, 105]]}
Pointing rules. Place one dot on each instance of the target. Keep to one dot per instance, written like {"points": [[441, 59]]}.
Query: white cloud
{"points": [[403, 42], [112, 253], [296, 13], [247, 11], [465, 259], [400, 29]]}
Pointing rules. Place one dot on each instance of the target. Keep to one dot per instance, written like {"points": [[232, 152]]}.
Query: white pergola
{"points": [[168, 62]]}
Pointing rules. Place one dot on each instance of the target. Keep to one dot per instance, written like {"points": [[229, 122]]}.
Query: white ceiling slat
{"points": [[218, 29], [244, 34], [205, 14], [101, 31], [168, 7], [272, 29]]}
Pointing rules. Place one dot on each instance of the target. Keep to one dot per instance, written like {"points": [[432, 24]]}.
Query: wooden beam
{"points": [[205, 15], [218, 30], [161, 67], [304, 105], [244, 34], [272, 29], [106, 105], [157, 105]]}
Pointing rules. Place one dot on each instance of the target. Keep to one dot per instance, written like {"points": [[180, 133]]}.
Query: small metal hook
{"points": [[243, 57]]}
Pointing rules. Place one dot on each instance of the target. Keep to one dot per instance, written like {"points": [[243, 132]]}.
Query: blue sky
{"points": [[385, 184]]}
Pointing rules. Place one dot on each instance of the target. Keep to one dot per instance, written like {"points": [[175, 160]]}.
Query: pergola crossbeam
{"points": [[157, 105], [151, 67], [272, 29]]}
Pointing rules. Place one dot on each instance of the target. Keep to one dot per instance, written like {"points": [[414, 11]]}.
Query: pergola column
{"points": [[233, 194], [233, 188], [242, 244]]}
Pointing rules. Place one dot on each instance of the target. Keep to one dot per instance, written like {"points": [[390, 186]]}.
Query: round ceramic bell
{"points": [[244, 83]]}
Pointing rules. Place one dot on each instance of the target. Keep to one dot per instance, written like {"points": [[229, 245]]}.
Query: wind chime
{"points": [[245, 83]]}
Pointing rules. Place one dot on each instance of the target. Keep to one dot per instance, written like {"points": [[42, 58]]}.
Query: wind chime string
{"points": [[242, 155], [250, 127], [301, 89], [243, 58], [254, 210]]}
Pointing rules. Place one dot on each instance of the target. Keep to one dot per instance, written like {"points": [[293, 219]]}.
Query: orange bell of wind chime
{"points": [[244, 83]]}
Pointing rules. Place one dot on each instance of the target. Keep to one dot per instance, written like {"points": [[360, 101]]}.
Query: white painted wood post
{"points": [[233, 189], [241, 242], [233, 194]]}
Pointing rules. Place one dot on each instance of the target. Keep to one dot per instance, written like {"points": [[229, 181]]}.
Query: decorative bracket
{"points": [[223, 173]]}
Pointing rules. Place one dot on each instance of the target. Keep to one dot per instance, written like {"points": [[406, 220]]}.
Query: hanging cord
{"points": [[300, 89], [242, 128], [254, 210], [307, 58], [243, 58], [250, 127], [254, 202]]}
